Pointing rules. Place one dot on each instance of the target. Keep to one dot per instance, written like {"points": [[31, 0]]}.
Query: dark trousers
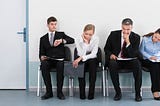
{"points": [[45, 67], [91, 67], [154, 68], [134, 65]]}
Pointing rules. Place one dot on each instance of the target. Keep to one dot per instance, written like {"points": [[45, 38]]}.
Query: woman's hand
{"points": [[85, 40], [75, 62], [153, 58]]}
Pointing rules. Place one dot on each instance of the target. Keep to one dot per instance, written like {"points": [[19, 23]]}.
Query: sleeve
{"points": [[67, 39], [108, 47], [142, 46], [133, 49], [42, 50], [94, 51]]}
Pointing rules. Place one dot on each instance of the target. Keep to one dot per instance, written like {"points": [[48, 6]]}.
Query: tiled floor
{"points": [[23, 98]]}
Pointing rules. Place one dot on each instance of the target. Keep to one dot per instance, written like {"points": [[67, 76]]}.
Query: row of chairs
{"points": [[101, 69]]}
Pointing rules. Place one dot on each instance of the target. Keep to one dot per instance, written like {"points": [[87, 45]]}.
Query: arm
{"points": [[132, 50], [144, 53], [108, 48], [94, 51], [67, 39], [42, 51]]}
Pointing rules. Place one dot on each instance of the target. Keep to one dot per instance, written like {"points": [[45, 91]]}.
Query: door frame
{"points": [[27, 45]]}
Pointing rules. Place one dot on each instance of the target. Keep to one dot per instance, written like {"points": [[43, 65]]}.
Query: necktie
{"points": [[123, 48], [51, 39]]}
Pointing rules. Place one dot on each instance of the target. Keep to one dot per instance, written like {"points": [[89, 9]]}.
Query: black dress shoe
{"points": [[47, 96], [61, 96], [156, 98], [118, 96], [82, 97], [90, 97], [138, 98]]}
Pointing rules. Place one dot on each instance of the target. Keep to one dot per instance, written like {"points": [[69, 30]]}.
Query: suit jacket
{"points": [[113, 45], [45, 49]]}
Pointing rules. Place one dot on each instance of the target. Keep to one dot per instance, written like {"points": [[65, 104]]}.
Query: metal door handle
{"points": [[23, 33]]}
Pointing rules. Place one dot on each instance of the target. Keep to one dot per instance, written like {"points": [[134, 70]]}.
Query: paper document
{"points": [[155, 60], [119, 58], [52, 58]]}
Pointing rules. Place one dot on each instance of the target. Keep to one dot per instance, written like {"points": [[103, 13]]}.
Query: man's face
{"points": [[52, 26], [126, 29]]}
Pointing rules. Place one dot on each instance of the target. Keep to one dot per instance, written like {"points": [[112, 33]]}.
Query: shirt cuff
{"points": [[64, 41]]}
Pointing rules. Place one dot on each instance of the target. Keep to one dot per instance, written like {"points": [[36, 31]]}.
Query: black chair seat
{"points": [[145, 69], [125, 70]]}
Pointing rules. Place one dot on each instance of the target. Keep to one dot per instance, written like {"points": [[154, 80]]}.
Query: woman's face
{"points": [[88, 34], [156, 37]]}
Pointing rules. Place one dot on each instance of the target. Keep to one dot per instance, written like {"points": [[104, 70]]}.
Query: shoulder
{"points": [[59, 32], [116, 32], [44, 36], [135, 35]]}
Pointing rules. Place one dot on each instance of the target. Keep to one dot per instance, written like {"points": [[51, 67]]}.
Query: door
{"points": [[12, 45]]}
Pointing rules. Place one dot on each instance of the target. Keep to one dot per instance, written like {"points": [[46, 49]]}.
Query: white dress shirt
{"points": [[83, 49]]}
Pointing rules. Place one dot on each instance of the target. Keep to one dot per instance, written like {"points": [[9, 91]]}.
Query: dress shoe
{"points": [[47, 96], [82, 97], [90, 97], [61, 96], [138, 98], [156, 98], [118, 96]]}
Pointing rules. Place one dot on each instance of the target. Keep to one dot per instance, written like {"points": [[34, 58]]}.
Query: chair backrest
{"points": [[67, 54]]}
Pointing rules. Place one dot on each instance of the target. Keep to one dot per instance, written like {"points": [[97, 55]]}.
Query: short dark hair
{"points": [[51, 19], [127, 21]]}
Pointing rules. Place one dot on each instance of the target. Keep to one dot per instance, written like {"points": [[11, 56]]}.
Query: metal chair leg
{"points": [[71, 87], [38, 85], [103, 82], [107, 85]]}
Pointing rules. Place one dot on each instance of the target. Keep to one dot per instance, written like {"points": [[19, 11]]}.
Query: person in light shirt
{"points": [[87, 48], [150, 49]]}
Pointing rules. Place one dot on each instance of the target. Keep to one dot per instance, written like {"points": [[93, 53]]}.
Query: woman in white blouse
{"points": [[87, 48]]}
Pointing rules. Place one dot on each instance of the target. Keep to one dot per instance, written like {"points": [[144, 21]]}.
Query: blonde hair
{"points": [[89, 27]]}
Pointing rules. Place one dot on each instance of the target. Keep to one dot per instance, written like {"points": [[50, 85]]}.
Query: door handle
{"points": [[23, 33]]}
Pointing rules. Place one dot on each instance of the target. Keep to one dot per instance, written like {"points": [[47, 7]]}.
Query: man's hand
{"points": [[75, 62], [126, 39], [113, 57], [43, 58], [57, 42]]}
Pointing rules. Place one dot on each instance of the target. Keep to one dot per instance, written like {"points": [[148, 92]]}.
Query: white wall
{"points": [[73, 15]]}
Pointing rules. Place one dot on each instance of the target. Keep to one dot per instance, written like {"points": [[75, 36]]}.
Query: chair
{"points": [[100, 68], [39, 84]]}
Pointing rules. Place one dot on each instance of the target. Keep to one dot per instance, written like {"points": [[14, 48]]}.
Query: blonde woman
{"points": [[87, 48]]}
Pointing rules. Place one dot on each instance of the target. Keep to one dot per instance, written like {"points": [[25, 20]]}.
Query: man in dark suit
{"points": [[124, 44], [52, 46]]}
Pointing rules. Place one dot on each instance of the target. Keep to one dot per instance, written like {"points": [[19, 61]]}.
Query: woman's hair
{"points": [[89, 27], [151, 33]]}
